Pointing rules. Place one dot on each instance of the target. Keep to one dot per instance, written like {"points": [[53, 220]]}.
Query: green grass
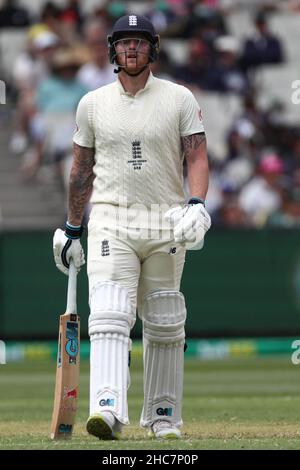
{"points": [[236, 404]]}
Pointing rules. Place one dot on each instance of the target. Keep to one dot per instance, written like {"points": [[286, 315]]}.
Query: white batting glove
{"points": [[190, 223], [65, 248]]}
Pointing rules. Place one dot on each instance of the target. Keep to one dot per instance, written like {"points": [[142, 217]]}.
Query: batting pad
{"points": [[110, 322], [164, 316]]}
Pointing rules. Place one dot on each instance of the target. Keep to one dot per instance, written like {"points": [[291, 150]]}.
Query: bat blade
{"points": [[67, 377]]}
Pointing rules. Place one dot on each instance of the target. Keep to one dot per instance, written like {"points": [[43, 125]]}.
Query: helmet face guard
{"points": [[125, 26], [152, 52]]}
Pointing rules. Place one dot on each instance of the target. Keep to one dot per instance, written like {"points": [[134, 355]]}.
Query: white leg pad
{"points": [[110, 322], [164, 316]]}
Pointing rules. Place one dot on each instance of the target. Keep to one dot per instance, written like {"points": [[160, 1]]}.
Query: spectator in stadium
{"points": [[226, 75], [261, 197], [160, 14], [264, 47], [61, 91], [64, 22], [30, 68], [231, 214], [97, 71], [32, 65], [50, 17], [194, 72], [72, 14], [251, 112], [71, 19], [13, 15], [288, 214], [58, 95], [201, 21], [244, 144], [162, 68], [292, 160]]}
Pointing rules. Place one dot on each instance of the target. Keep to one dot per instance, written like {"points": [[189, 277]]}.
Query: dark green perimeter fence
{"points": [[244, 283]]}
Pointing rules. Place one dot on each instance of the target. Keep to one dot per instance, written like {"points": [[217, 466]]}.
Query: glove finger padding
{"points": [[193, 238], [193, 233], [65, 248], [59, 241], [190, 224], [189, 221], [77, 254], [174, 215], [205, 219]]}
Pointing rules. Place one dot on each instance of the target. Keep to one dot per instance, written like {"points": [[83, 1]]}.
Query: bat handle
{"points": [[72, 287]]}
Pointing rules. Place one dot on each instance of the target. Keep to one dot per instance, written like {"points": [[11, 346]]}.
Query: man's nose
{"points": [[133, 44]]}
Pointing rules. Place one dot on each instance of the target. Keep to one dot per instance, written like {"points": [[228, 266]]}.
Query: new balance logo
{"points": [[108, 402], [132, 20], [172, 250], [164, 411]]}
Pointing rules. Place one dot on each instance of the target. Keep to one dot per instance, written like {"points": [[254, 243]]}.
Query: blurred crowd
{"points": [[256, 184]]}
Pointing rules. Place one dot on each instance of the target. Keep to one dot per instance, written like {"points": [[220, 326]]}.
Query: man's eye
{"points": [[128, 42]]}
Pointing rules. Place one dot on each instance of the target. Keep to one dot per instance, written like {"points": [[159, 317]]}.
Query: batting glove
{"points": [[190, 223], [66, 245]]}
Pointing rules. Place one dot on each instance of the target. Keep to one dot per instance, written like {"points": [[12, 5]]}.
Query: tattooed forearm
{"points": [[191, 143], [194, 147], [81, 182]]}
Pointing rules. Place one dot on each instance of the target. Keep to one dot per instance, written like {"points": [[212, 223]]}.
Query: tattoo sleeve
{"points": [[194, 148], [190, 143], [81, 182]]}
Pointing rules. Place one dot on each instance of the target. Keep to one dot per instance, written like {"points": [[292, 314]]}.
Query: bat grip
{"points": [[72, 287]]}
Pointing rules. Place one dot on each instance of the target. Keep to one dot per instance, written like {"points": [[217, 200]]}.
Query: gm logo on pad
{"points": [[107, 402], [164, 411], [65, 428]]}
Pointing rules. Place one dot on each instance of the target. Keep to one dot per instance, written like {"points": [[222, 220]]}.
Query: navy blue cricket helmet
{"points": [[132, 24]]}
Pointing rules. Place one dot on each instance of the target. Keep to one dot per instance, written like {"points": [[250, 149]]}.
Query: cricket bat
{"points": [[67, 368]]}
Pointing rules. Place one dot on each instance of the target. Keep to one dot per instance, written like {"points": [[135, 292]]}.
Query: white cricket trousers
{"points": [[139, 259]]}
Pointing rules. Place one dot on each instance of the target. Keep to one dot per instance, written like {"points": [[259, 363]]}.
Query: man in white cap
{"points": [[261, 196], [129, 146]]}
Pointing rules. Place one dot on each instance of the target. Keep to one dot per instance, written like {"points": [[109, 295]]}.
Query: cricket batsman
{"points": [[129, 145]]}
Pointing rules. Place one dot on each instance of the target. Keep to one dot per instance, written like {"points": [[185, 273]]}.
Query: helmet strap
{"points": [[123, 67]]}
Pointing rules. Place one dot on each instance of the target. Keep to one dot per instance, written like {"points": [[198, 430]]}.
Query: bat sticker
{"points": [[72, 343]]}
